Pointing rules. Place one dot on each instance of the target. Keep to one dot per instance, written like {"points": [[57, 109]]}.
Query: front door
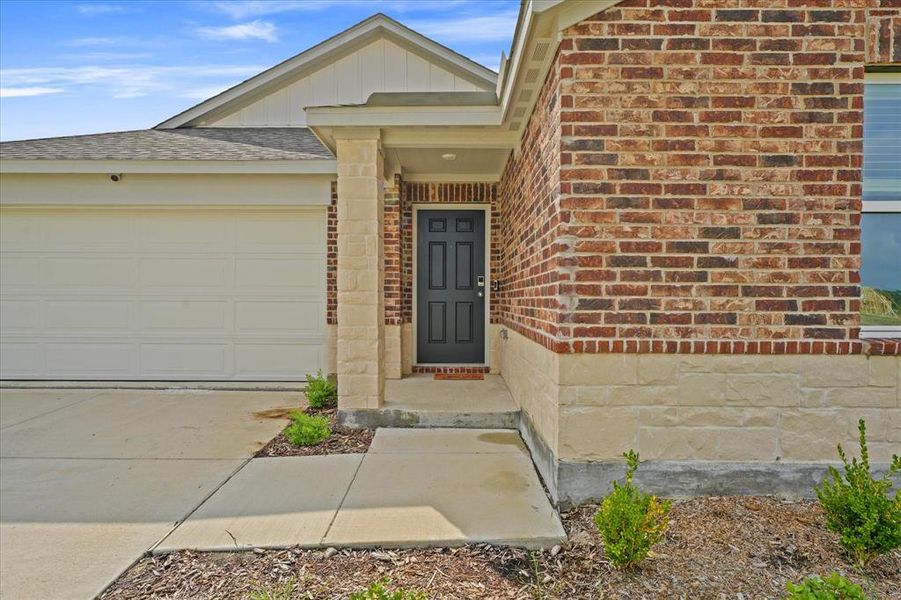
{"points": [[451, 286]]}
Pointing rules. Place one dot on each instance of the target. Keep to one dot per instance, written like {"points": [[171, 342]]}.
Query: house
{"points": [[655, 223]]}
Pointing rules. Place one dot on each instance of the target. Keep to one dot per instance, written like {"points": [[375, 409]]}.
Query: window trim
{"points": [[881, 74]]}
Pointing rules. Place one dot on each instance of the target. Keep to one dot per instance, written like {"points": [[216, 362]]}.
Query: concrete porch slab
{"points": [[270, 503], [423, 498], [447, 441], [421, 401]]}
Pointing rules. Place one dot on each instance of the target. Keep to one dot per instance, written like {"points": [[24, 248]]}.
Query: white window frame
{"points": [[881, 207]]}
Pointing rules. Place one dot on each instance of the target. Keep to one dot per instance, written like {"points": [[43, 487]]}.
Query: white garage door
{"points": [[166, 294]]}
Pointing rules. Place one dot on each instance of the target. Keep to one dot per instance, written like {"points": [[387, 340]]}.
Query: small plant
{"points": [[379, 591], [630, 522], [833, 587], [858, 506], [321, 392], [306, 430], [276, 592]]}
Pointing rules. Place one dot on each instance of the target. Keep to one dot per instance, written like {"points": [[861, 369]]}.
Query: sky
{"points": [[75, 67]]}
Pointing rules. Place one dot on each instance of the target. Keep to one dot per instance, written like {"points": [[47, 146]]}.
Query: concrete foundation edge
{"points": [[571, 483], [371, 419]]}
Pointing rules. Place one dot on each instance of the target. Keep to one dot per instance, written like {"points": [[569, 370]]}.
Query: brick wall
{"points": [[709, 180], [331, 258], [728, 199], [530, 214], [883, 40], [393, 253]]}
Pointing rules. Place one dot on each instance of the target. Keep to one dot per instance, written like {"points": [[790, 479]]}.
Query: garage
{"points": [[162, 293]]}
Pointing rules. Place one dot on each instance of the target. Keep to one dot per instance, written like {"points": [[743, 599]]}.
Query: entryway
{"points": [[451, 286]]}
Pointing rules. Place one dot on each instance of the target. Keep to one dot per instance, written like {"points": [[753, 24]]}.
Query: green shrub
{"points": [[306, 430], [630, 521], [379, 591], [833, 587], [858, 507], [321, 392]]}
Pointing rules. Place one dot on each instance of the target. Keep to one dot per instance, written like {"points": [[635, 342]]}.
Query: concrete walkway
{"points": [[414, 488], [92, 479]]}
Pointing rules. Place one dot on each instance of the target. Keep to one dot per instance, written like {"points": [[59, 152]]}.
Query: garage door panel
{"points": [[195, 359], [88, 272], [84, 358], [269, 273], [75, 231], [187, 316], [268, 316], [19, 272], [212, 293], [19, 315], [294, 232], [113, 316], [275, 361], [23, 358], [183, 272], [200, 232]]}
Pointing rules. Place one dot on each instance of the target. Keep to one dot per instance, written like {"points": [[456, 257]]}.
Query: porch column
{"points": [[361, 299]]}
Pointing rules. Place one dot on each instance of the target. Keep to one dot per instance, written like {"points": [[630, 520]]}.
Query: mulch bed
{"points": [[342, 441], [715, 548]]}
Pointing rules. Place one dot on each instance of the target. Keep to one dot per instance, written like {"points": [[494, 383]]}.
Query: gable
{"points": [[376, 55], [381, 66]]}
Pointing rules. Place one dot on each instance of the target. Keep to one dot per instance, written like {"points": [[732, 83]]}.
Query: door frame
{"points": [[473, 206]]}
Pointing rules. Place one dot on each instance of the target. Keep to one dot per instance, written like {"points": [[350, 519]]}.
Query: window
{"points": [[880, 270]]}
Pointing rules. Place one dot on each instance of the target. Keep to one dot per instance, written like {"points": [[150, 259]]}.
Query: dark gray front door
{"points": [[451, 286]]}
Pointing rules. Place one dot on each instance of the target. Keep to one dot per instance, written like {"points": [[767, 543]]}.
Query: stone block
{"points": [[883, 370], [592, 433], [603, 369], [657, 368], [764, 389]]}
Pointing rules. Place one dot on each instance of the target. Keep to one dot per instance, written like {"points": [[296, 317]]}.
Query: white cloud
{"points": [[95, 41], [485, 28], [242, 9], [254, 30], [102, 9], [8, 92], [128, 81]]}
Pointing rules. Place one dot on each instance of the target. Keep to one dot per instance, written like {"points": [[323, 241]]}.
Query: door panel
{"points": [[450, 300]]}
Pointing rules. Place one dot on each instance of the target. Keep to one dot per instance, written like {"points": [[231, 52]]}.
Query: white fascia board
{"points": [[408, 116], [451, 178], [317, 54], [314, 167], [450, 137]]}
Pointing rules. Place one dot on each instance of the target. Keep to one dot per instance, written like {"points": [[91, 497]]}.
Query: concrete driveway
{"points": [[91, 479]]}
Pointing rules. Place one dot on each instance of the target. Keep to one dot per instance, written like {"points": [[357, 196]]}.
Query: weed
{"points": [[378, 590], [833, 587]]}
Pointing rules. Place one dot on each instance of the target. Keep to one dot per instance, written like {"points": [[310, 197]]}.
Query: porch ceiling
{"points": [[430, 164]]}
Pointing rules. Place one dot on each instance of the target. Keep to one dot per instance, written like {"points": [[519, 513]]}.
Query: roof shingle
{"points": [[208, 143]]}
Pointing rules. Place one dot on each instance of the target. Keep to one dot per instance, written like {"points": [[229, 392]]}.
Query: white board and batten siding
{"points": [[381, 66], [162, 293]]}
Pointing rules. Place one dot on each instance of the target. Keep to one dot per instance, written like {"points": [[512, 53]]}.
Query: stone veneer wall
{"points": [[681, 238]]}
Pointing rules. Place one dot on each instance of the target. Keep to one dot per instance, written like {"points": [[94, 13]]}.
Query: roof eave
{"points": [[260, 167]]}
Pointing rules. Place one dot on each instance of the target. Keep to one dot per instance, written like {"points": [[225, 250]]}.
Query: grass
{"points": [[866, 319]]}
